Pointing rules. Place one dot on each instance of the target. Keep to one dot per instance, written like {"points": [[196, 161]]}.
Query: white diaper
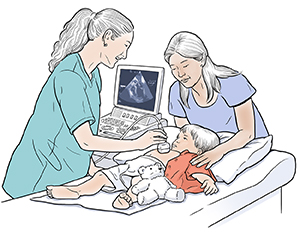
{"points": [[121, 175]]}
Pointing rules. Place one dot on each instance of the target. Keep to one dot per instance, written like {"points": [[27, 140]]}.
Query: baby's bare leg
{"points": [[89, 187], [93, 168], [124, 199]]}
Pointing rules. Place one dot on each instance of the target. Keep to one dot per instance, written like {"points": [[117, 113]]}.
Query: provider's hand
{"points": [[209, 158], [151, 137], [209, 187]]}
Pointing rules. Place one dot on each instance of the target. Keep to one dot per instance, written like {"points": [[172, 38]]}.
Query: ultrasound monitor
{"points": [[139, 88]]}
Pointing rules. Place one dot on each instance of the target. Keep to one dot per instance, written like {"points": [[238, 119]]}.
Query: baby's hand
{"points": [[209, 187]]}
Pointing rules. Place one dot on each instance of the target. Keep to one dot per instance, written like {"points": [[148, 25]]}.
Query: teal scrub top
{"points": [[48, 153]]}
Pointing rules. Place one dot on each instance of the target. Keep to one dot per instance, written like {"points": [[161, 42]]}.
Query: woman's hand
{"points": [[209, 187], [209, 158], [151, 137]]}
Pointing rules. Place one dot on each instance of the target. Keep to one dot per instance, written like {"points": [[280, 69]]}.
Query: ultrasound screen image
{"points": [[137, 89]]}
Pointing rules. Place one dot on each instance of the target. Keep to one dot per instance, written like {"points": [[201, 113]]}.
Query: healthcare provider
{"points": [[61, 134]]}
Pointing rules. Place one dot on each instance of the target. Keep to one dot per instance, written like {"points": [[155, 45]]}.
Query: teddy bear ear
{"points": [[158, 164], [141, 169]]}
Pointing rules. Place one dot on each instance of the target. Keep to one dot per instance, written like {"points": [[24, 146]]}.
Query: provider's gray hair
{"points": [[84, 26], [204, 139], [189, 45]]}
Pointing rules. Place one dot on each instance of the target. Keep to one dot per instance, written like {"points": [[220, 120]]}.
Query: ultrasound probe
{"points": [[161, 147]]}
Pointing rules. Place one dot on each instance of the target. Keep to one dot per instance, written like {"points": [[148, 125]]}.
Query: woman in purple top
{"points": [[215, 97]]}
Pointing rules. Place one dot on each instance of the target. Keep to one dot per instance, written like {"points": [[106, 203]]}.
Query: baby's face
{"points": [[183, 142]]}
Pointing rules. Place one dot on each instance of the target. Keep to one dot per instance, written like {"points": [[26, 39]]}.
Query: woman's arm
{"points": [[245, 122], [88, 141]]}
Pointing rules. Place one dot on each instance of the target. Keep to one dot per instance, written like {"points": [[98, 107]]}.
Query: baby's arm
{"points": [[207, 183], [204, 176]]}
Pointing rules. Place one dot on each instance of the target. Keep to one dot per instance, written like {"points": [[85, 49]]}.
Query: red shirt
{"points": [[179, 171]]}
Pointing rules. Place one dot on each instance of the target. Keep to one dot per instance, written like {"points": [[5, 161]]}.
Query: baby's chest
{"points": [[166, 157]]}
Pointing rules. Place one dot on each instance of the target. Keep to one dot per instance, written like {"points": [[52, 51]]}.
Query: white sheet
{"points": [[101, 201], [274, 171]]}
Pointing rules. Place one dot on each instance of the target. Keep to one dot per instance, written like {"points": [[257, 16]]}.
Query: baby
{"points": [[190, 142]]}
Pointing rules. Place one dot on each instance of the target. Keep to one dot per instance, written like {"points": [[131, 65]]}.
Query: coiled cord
{"points": [[129, 128]]}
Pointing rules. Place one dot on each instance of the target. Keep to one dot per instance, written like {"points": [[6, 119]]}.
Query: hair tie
{"points": [[93, 16]]}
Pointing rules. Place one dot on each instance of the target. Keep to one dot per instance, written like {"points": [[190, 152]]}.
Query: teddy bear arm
{"points": [[140, 187]]}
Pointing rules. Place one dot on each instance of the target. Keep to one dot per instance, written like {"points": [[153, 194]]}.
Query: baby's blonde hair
{"points": [[204, 139]]}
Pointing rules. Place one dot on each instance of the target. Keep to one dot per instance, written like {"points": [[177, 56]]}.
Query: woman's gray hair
{"points": [[204, 139], [84, 26], [190, 45]]}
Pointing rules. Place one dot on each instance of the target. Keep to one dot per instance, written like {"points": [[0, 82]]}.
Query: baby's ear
{"points": [[199, 151]]}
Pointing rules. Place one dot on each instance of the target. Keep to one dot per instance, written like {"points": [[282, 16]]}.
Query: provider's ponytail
{"points": [[84, 26]]}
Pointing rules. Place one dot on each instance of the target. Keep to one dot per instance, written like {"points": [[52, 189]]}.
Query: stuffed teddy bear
{"points": [[154, 185]]}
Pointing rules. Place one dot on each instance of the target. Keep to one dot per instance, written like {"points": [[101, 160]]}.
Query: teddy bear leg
{"points": [[147, 197], [175, 195]]}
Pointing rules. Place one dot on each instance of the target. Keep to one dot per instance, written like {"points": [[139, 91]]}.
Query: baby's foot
{"points": [[61, 192], [123, 201]]}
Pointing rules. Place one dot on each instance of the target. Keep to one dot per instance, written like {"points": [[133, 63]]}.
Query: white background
{"points": [[259, 38]]}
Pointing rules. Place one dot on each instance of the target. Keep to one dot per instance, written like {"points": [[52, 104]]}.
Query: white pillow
{"points": [[236, 161]]}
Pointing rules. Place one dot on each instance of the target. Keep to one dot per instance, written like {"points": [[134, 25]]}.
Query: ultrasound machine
{"points": [[137, 98]]}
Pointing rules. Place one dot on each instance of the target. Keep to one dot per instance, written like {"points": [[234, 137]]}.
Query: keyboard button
{"points": [[107, 127]]}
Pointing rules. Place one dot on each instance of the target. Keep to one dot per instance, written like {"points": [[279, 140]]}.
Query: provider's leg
{"points": [[126, 199], [89, 187]]}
